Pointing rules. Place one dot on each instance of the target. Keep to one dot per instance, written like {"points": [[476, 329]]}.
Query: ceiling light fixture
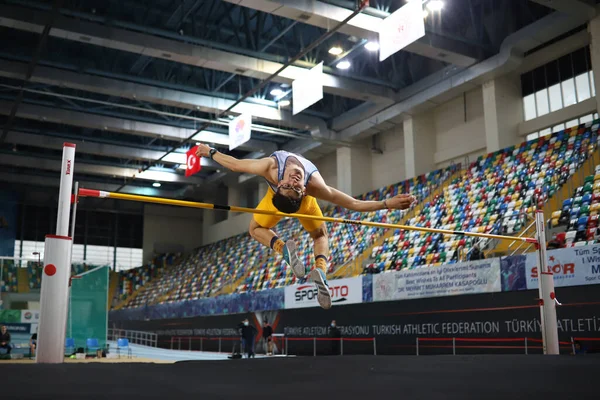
{"points": [[343, 65], [425, 14], [276, 92], [156, 184], [336, 51], [372, 46], [435, 5], [284, 103]]}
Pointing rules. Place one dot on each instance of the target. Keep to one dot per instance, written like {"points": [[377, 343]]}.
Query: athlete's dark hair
{"points": [[286, 204]]}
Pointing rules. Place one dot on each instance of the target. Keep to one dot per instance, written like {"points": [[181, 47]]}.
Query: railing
{"points": [[528, 231], [525, 343], [216, 344], [341, 341], [134, 337]]}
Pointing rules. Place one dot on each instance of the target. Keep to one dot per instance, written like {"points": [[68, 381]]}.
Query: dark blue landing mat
{"points": [[506, 377]]}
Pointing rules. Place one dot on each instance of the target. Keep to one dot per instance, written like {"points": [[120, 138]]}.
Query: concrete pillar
{"points": [[419, 145], [594, 30], [353, 170], [502, 111], [262, 190], [234, 194]]}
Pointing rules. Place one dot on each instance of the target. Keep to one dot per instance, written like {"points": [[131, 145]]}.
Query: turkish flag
{"points": [[193, 162]]}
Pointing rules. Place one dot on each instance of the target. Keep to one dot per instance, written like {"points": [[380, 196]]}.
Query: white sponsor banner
{"points": [[572, 266], [240, 130], [343, 291], [447, 280], [30, 316], [400, 29], [308, 89]]}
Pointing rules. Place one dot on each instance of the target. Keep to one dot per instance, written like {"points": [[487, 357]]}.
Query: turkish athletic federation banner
{"points": [[343, 291], [448, 280]]}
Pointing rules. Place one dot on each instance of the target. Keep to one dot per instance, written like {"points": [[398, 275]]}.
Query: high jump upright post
{"points": [[54, 296], [549, 325]]}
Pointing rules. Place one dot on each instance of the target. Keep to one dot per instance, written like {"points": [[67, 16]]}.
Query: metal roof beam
{"points": [[151, 94], [578, 8], [44, 181], [101, 149], [81, 167], [186, 53], [363, 26], [82, 119]]}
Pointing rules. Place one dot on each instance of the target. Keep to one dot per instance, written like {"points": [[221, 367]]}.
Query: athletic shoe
{"points": [[323, 294], [290, 255]]}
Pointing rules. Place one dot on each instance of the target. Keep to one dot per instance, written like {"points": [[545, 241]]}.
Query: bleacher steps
{"points": [[355, 267], [554, 203]]}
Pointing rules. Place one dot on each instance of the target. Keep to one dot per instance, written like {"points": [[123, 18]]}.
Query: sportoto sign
{"points": [[343, 291]]}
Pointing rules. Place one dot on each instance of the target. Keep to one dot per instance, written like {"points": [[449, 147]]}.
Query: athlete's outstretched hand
{"points": [[203, 150], [400, 202]]}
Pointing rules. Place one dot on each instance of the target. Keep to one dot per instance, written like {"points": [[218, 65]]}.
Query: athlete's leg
{"points": [[321, 247], [264, 235], [286, 249], [319, 274]]}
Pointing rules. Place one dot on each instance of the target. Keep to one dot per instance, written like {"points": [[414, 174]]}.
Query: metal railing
{"points": [[282, 342], [134, 337], [523, 343]]}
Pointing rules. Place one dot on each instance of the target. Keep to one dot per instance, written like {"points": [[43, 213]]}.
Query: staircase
{"points": [[22, 280], [355, 267], [113, 286]]}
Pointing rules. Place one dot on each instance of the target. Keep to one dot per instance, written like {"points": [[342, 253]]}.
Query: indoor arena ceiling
{"points": [[128, 80]]}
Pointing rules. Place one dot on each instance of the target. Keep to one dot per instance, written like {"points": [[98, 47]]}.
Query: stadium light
{"points": [[343, 65], [276, 92], [284, 103], [336, 51], [372, 46], [435, 5], [156, 184]]}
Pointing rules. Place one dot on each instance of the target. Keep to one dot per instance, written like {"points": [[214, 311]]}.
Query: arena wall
{"points": [[171, 229], [396, 324]]}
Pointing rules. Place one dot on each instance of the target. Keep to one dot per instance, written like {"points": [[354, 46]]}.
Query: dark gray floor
{"points": [[349, 377]]}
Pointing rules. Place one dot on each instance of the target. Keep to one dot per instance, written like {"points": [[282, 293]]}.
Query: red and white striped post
{"points": [[547, 298], [54, 296]]}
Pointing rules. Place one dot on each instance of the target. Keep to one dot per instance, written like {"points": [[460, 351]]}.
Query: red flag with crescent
{"points": [[193, 164]]}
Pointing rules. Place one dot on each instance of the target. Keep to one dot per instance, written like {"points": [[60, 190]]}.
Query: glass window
{"points": [[583, 87], [77, 255], [555, 97], [592, 83], [585, 119], [545, 132], [529, 107], [100, 255], [572, 123], [558, 128], [532, 136], [128, 258], [568, 89], [541, 100], [595, 116]]}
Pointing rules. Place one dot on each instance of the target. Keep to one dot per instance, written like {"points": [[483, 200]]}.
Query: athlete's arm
{"points": [[259, 166], [319, 189]]}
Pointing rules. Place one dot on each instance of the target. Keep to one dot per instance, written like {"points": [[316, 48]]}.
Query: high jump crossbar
{"points": [[209, 206]]}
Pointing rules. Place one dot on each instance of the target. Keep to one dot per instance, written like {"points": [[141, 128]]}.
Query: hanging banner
{"points": [[447, 280], [400, 29], [240, 130], [343, 291], [308, 89], [573, 266]]}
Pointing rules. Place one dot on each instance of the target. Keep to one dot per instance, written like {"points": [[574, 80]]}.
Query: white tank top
{"points": [[281, 157]]}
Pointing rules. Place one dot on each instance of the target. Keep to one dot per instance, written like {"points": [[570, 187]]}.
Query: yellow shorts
{"points": [[309, 207]]}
